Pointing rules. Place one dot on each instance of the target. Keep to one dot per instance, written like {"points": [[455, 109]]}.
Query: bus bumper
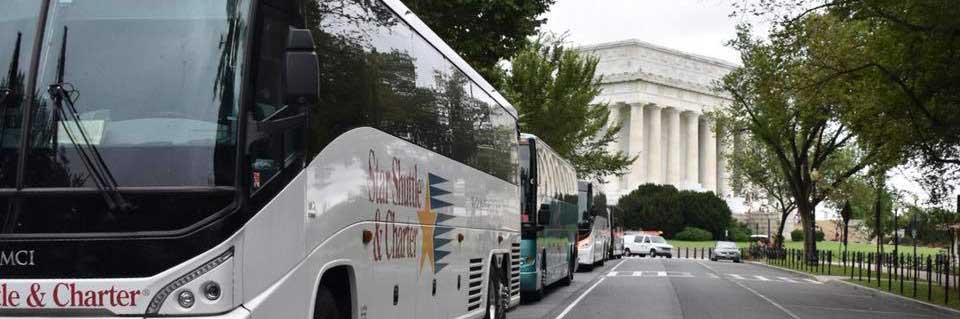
{"points": [[238, 313], [585, 256]]}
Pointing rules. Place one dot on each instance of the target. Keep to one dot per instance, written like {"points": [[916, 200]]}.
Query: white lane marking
{"points": [[618, 265], [735, 276], [774, 303], [637, 273], [661, 274], [813, 281], [761, 278], [612, 274], [788, 279], [575, 302]]}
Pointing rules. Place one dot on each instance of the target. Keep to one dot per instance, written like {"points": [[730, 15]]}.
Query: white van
{"points": [[646, 245]]}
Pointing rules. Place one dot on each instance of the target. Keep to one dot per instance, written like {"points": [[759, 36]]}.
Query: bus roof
{"points": [[414, 21]]}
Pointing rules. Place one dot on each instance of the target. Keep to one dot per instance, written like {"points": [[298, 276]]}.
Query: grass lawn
{"points": [[936, 297], [836, 247]]}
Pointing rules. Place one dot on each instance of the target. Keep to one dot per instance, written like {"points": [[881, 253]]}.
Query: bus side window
{"points": [[271, 151]]}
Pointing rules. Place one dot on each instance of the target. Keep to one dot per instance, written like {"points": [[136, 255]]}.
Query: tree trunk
{"points": [[778, 237], [808, 217], [846, 230]]}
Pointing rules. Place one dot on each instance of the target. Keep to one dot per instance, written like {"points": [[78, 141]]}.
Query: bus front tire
{"points": [[326, 306], [496, 307]]}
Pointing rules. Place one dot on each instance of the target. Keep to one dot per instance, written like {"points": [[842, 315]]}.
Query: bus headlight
{"points": [[585, 243], [186, 299], [204, 281], [211, 290]]}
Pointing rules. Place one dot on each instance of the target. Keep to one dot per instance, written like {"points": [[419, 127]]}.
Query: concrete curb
{"points": [[944, 308], [861, 287]]}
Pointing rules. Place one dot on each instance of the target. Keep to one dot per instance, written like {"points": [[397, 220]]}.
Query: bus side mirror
{"points": [[543, 216], [301, 69]]}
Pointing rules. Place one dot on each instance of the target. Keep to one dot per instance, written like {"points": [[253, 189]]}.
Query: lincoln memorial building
{"points": [[660, 96]]}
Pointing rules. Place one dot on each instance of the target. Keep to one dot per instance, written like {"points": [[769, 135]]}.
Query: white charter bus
{"points": [[249, 159], [593, 227]]}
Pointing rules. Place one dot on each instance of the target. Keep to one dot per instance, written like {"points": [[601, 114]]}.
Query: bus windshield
{"points": [[151, 87], [153, 84]]}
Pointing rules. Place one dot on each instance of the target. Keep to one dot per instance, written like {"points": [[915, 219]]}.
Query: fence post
{"points": [[900, 263], [860, 268], [929, 279], [851, 268], [819, 265], [915, 274], [946, 275], [890, 271], [829, 262], [869, 267], [936, 268]]}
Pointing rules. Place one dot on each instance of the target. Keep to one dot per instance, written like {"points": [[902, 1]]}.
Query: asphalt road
{"points": [[674, 288]]}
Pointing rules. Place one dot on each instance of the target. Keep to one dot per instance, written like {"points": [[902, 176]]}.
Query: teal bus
{"points": [[549, 218]]}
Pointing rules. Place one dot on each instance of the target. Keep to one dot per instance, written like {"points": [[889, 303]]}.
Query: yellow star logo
{"points": [[427, 221]]}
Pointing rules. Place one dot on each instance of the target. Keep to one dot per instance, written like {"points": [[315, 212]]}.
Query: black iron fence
{"points": [[882, 269]]}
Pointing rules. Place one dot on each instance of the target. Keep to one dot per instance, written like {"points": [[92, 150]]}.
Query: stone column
{"points": [[654, 160], [693, 150], [636, 147], [616, 117], [674, 173], [709, 157]]}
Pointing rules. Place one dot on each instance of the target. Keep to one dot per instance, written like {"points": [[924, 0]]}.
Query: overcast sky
{"points": [[694, 26]]}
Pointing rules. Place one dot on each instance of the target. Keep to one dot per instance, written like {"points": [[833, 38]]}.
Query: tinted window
{"points": [[378, 72], [18, 21]]}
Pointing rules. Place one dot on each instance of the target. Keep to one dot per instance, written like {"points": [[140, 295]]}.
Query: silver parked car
{"points": [[726, 250]]}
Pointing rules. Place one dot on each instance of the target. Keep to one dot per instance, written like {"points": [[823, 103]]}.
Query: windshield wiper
{"points": [[89, 154]]}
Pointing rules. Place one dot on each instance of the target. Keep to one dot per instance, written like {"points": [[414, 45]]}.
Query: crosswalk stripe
{"points": [[711, 275], [812, 281], [787, 279], [762, 278], [661, 274], [735, 276], [637, 273], [612, 274]]}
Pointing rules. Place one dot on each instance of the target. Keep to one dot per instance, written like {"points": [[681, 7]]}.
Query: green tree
{"points": [[704, 210], [779, 99], [756, 175], [553, 90], [483, 32], [899, 61], [652, 207], [664, 208]]}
